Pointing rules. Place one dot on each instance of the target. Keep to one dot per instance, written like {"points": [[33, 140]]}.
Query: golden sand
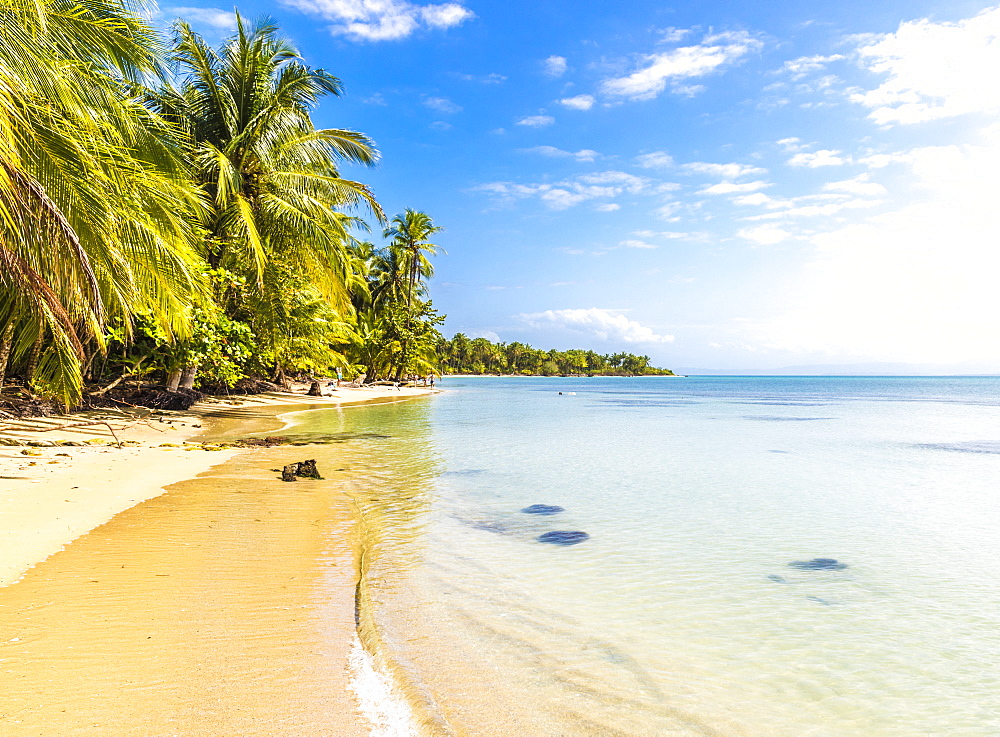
{"points": [[224, 606]]}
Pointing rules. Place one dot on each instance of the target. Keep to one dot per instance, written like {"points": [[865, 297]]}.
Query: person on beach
{"points": [[340, 376]]}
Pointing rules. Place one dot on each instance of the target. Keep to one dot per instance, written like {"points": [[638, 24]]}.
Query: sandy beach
{"points": [[193, 613]]}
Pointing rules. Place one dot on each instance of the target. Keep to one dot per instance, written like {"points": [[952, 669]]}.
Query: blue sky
{"points": [[714, 184]]}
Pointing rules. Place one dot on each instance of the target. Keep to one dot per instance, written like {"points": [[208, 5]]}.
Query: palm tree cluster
{"points": [[169, 210], [462, 355], [396, 325]]}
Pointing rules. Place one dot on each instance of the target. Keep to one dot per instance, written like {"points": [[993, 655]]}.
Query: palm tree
{"points": [[95, 210], [275, 193], [409, 232]]}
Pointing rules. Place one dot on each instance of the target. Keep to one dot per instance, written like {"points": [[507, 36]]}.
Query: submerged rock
{"points": [[818, 600], [777, 579], [543, 509], [818, 564], [497, 527], [563, 537]]}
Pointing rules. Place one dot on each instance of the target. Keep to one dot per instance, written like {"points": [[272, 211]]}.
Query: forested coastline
{"points": [[464, 355]]}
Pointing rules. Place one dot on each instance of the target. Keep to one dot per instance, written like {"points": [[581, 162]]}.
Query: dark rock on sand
{"points": [[818, 564], [777, 579], [304, 469], [563, 537], [542, 509]]}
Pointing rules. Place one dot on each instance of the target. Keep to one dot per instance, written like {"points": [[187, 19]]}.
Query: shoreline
{"points": [[163, 583], [59, 484]]}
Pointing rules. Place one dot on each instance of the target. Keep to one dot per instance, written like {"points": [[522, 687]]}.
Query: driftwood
{"points": [[144, 420], [305, 469], [63, 427]]}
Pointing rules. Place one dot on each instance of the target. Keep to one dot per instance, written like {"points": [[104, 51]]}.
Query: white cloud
{"points": [[688, 90], [599, 323], [732, 188], [916, 283], [804, 65], [537, 121], [757, 199], [765, 235], [880, 161], [608, 207], [629, 182], [655, 160], [726, 171], [382, 20], [488, 334], [791, 145], [668, 211], [659, 70], [814, 159], [859, 185], [555, 66], [444, 16], [221, 20], [580, 102], [585, 154], [569, 192], [673, 35], [668, 234], [442, 104], [935, 70], [492, 78], [794, 208], [632, 243]]}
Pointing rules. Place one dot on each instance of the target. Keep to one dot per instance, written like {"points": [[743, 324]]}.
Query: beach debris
{"points": [[543, 509], [269, 442], [818, 564], [306, 439], [563, 537], [305, 469]]}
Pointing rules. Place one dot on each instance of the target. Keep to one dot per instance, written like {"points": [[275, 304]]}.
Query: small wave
{"points": [[968, 447], [776, 418], [388, 713], [785, 404]]}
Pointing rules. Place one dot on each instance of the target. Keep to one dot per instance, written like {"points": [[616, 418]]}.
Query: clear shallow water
{"points": [[680, 614]]}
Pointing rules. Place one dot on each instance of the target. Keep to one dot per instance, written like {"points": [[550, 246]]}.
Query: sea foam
{"points": [[386, 711]]}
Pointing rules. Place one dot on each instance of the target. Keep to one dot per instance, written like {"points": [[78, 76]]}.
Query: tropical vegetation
{"points": [[462, 355], [169, 211]]}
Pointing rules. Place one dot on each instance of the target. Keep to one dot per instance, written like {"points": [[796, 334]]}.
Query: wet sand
{"points": [[50, 496]]}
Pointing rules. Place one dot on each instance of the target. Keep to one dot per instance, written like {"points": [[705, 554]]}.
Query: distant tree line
{"points": [[462, 355]]}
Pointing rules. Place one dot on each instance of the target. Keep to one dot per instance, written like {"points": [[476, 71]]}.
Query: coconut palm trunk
{"points": [[6, 343]]}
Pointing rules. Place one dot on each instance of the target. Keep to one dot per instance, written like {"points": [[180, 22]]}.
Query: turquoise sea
{"points": [[680, 614]]}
